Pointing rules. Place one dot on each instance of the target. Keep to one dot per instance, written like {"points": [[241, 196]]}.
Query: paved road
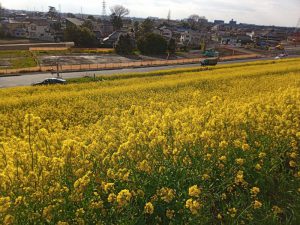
{"points": [[28, 79]]}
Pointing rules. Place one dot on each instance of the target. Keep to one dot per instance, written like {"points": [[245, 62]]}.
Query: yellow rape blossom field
{"points": [[219, 146]]}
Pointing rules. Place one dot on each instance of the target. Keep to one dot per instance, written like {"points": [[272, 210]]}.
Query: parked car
{"points": [[50, 81], [209, 62]]}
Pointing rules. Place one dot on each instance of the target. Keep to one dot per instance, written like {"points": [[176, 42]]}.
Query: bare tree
{"points": [[117, 13], [195, 21], [194, 18], [119, 10]]}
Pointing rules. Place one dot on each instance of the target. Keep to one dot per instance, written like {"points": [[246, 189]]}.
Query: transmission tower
{"points": [[104, 8], [169, 15], [297, 29]]}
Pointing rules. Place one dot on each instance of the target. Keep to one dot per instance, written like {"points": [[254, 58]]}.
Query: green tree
{"points": [[91, 17], [152, 44], [136, 25], [81, 36], [86, 38], [147, 26], [71, 15], [2, 34], [172, 46], [125, 45], [88, 24]]}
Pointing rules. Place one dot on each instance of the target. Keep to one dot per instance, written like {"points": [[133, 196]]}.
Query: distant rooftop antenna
{"points": [[104, 8], [169, 15]]}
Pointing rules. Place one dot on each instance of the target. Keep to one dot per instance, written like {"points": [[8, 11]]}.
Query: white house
{"points": [[40, 30], [193, 38]]}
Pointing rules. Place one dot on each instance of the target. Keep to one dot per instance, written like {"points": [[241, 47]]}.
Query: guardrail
{"points": [[106, 66]]}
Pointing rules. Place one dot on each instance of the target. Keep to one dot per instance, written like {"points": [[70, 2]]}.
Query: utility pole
{"points": [[57, 66]]}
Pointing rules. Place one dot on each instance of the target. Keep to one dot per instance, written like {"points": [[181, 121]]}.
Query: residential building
{"points": [[15, 28], [106, 28], [165, 32], [228, 40], [232, 22], [193, 38], [40, 30], [74, 22], [219, 22]]}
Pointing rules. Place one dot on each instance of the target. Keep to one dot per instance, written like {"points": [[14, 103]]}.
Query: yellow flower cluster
{"points": [[194, 191], [149, 208], [212, 146], [166, 194], [124, 197], [193, 205]]}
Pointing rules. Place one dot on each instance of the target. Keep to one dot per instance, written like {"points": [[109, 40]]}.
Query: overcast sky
{"points": [[268, 12]]}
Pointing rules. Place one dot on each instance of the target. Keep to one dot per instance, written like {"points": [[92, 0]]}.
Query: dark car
{"points": [[50, 81], [209, 62]]}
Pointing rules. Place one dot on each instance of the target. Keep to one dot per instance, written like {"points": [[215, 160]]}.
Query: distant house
{"points": [[193, 38], [219, 22], [165, 32], [15, 28], [97, 30], [244, 39], [40, 30], [228, 40], [106, 28], [74, 22], [232, 23], [270, 38]]}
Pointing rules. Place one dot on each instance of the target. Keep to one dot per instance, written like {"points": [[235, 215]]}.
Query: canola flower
{"points": [[149, 208], [194, 191], [123, 198], [193, 205], [257, 204], [219, 146]]}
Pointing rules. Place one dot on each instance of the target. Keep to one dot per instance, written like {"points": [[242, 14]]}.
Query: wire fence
{"points": [[121, 65]]}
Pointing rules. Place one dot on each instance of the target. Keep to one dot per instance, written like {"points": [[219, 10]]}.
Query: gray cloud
{"points": [[275, 12]]}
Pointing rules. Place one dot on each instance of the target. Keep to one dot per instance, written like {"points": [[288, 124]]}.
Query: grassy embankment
{"points": [[18, 59]]}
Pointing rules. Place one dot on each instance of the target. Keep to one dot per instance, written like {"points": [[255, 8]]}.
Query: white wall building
{"points": [[193, 38], [40, 30]]}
